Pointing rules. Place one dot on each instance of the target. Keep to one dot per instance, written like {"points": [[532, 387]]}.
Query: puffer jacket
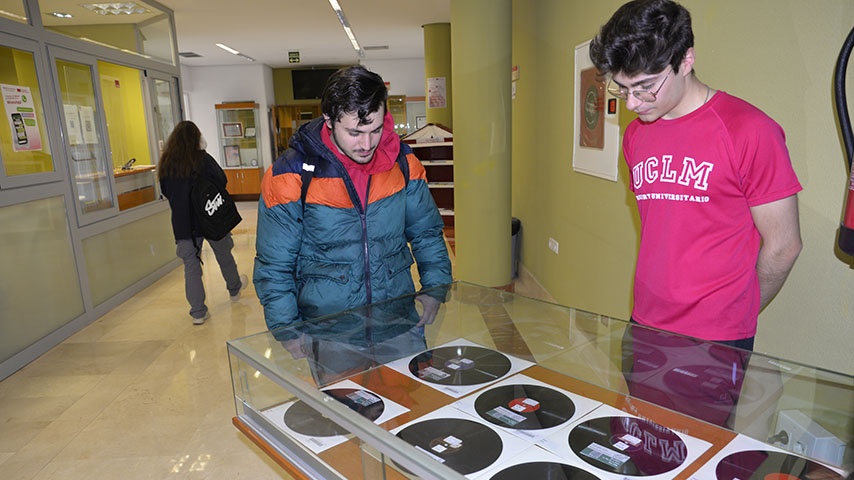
{"points": [[335, 255]]}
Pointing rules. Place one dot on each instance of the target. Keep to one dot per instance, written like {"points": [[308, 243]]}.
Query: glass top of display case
{"points": [[498, 385]]}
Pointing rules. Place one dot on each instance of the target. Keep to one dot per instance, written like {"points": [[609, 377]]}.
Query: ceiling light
{"points": [[125, 8], [344, 23], [227, 49], [60, 14], [247, 57], [12, 15]]}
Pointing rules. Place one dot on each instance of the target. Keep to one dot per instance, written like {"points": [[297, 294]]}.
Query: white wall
{"points": [[208, 86], [406, 76]]}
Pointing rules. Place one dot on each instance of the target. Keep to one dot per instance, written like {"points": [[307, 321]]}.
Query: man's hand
{"points": [[294, 347], [431, 307]]}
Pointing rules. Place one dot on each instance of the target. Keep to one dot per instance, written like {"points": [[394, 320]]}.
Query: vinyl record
{"points": [[765, 465], [305, 420], [524, 407], [543, 470], [463, 365], [709, 383], [628, 445], [464, 445]]}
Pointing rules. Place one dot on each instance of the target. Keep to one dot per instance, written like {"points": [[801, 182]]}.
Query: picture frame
{"points": [[232, 129], [249, 132], [232, 155]]}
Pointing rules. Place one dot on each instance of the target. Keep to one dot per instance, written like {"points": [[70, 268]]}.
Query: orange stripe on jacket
{"points": [[329, 191], [386, 184], [416, 170], [280, 189]]}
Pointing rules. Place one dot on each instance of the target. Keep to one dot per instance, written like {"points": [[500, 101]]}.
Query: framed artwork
{"points": [[596, 145], [232, 155], [249, 132], [232, 129]]}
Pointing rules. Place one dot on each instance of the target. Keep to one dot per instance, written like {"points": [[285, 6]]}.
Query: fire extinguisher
{"points": [[846, 230]]}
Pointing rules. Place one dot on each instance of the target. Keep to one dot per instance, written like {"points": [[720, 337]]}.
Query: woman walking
{"points": [[182, 160]]}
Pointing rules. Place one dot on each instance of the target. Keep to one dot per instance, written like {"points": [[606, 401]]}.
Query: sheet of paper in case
{"points": [[545, 407], [319, 433], [466, 444], [459, 367], [743, 443], [536, 463], [615, 444]]}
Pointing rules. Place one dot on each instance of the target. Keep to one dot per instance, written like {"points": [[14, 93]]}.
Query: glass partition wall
{"points": [[90, 94]]}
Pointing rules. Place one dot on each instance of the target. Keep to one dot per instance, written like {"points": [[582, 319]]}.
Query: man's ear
{"points": [[327, 120], [687, 64]]}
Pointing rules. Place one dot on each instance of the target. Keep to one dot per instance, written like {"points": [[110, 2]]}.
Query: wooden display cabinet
{"points": [[243, 182], [286, 120]]}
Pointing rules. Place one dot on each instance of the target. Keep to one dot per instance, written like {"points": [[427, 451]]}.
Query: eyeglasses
{"points": [[642, 95]]}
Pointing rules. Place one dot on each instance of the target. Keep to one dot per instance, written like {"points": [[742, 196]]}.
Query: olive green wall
{"points": [[778, 55]]}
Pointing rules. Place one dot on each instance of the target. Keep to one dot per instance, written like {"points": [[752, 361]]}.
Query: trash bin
{"points": [[515, 233]]}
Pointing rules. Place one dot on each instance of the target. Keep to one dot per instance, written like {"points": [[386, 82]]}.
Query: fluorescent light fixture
{"points": [[228, 49], [247, 57], [12, 15], [124, 8], [60, 14], [346, 25]]}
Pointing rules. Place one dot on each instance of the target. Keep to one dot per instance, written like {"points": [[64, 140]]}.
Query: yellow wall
{"points": [[125, 114], [778, 55], [119, 36]]}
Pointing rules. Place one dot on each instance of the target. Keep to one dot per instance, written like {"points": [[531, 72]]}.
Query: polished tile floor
{"points": [[141, 393]]}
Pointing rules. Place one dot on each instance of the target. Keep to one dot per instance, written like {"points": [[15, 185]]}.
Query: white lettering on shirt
{"points": [[650, 171]]}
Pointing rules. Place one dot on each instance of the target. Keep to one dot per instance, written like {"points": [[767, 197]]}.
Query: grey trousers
{"points": [[193, 286]]}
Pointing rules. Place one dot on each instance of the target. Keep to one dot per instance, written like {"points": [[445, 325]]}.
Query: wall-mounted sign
{"points": [[21, 113], [293, 57]]}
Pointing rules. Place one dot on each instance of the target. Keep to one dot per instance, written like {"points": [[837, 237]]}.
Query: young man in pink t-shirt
{"points": [[711, 174]]}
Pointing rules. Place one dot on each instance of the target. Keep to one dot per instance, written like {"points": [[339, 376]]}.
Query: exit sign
{"points": [[293, 57]]}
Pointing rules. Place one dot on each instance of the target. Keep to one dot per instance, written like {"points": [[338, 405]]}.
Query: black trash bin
{"points": [[515, 232]]}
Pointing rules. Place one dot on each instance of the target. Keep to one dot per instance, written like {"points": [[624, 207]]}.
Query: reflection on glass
{"points": [[163, 118], [124, 111], [13, 10], [80, 115], [145, 31], [38, 274], [24, 145]]}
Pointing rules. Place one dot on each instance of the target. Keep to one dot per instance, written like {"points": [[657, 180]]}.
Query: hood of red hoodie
{"points": [[384, 156]]}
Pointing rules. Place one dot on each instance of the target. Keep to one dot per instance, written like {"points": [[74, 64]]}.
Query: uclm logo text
{"points": [[213, 204]]}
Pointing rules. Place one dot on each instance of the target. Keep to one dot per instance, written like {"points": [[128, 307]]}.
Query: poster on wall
{"points": [[72, 124], [436, 95], [596, 132], [21, 113], [87, 124]]}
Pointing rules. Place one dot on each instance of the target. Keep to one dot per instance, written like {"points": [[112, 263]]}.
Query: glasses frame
{"points": [[647, 96]]}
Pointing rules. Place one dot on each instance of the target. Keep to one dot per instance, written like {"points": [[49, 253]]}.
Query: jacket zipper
{"points": [[364, 217]]}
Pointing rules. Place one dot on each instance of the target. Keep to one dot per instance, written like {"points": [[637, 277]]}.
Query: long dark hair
{"points": [[182, 156]]}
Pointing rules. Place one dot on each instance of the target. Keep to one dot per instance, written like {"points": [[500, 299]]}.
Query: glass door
{"points": [[165, 105], [85, 140]]}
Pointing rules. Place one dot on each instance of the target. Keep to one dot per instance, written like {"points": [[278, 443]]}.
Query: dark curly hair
{"points": [[181, 157], [643, 36], [353, 89]]}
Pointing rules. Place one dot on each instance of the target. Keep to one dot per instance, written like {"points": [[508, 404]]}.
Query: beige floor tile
{"points": [[126, 468], [16, 434], [22, 386]]}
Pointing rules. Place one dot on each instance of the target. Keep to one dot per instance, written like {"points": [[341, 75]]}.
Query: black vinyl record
{"points": [[627, 445], [543, 470], [305, 420], [464, 445], [765, 465], [463, 365], [524, 407]]}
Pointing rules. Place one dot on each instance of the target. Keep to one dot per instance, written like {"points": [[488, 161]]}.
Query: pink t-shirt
{"points": [[695, 179]]}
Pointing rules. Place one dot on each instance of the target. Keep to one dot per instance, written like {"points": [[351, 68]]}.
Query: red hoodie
{"points": [[383, 160]]}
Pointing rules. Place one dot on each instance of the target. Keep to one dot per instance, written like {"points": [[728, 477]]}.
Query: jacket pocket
{"points": [[398, 261], [336, 272]]}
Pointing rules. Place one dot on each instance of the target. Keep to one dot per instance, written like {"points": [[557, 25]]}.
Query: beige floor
{"points": [[141, 393]]}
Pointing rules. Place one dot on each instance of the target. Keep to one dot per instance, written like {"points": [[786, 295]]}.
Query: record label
{"points": [[524, 406], [767, 465], [627, 445], [461, 365], [305, 420], [464, 445], [543, 470]]}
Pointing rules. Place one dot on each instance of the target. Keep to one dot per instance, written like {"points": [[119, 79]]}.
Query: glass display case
{"points": [[500, 386], [238, 127]]}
